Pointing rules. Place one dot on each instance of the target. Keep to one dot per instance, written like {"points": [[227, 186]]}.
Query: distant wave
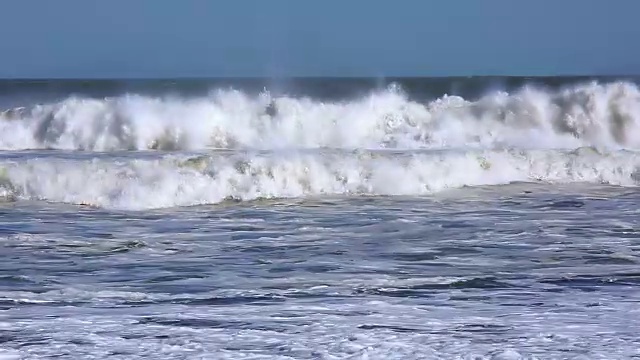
{"points": [[180, 180], [592, 114]]}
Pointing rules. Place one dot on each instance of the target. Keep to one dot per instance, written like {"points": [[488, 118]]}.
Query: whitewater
{"points": [[592, 114], [406, 220], [251, 147]]}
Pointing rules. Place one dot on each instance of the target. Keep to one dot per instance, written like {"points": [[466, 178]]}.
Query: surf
{"points": [[587, 114], [174, 180]]}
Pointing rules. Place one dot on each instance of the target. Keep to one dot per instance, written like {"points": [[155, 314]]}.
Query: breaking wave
{"points": [[592, 114], [230, 145], [173, 180]]}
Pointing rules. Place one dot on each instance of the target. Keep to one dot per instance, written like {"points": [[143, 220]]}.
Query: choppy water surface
{"points": [[497, 272], [238, 226]]}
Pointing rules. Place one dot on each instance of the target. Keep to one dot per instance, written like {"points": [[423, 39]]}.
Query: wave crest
{"points": [[209, 179], [604, 115]]}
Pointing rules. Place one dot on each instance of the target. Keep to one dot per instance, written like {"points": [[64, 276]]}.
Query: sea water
{"points": [[415, 219]]}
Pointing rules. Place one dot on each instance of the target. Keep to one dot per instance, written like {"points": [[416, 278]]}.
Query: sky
{"points": [[282, 38]]}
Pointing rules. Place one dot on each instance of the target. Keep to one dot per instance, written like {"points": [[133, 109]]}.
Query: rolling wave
{"points": [[592, 114], [252, 147], [180, 180]]}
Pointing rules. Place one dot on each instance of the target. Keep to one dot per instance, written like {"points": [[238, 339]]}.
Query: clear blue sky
{"points": [[173, 38]]}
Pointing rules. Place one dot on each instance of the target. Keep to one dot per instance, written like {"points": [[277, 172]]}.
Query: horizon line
{"points": [[313, 77]]}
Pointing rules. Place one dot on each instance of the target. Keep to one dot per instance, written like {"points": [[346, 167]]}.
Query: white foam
{"points": [[9, 355], [603, 115], [177, 181]]}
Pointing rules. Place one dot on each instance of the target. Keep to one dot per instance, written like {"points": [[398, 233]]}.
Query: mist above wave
{"points": [[592, 114]]}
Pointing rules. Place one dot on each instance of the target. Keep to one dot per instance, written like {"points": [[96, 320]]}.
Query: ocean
{"points": [[426, 218]]}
